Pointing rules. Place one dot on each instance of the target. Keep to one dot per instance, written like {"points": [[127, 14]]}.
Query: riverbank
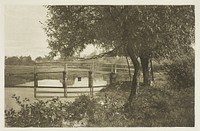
{"points": [[158, 105], [154, 106]]}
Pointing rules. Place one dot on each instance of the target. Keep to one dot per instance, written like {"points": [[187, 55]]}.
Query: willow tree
{"points": [[140, 32]]}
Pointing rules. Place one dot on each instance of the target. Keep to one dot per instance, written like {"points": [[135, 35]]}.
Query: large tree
{"points": [[140, 32]]}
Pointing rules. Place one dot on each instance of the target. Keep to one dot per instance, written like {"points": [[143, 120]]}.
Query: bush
{"points": [[156, 107], [82, 108], [50, 113], [109, 110], [181, 72], [153, 107]]}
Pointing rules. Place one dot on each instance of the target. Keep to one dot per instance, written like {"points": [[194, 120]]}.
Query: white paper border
{"points": [[104, 2]]}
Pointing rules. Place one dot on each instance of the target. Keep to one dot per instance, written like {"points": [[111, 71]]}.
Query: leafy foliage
{"points": [[44, 59], [50, 113], [181, 71], [152, 30], [153, 107], [81, 108], [37, 114], [136, 31]]}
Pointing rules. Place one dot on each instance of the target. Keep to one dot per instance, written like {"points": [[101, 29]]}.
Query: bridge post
{"points": [[64, 81], [90, 83]]}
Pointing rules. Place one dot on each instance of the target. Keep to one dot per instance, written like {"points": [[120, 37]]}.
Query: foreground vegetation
{"points": [[153, 106]]}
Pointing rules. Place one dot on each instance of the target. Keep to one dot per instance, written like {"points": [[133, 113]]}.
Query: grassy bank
{"points": [[152, 107]]}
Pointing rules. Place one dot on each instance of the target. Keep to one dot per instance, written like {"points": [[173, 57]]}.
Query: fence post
{"points": [[111, 68], [112, 78], [64, 81], [35, 81], [113, 74], [115, 68], [93, 65], [90, 83], [35, 84]]}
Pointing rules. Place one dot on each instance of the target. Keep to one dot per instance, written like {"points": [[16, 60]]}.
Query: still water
{"points": [[82, 82], [29, 92]]}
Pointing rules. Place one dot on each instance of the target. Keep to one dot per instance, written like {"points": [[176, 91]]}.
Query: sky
{"points": [[23, 31], [24, 34]]}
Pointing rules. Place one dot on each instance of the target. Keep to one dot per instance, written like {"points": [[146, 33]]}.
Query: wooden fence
{"points": [[65, 87], [90, 68]]}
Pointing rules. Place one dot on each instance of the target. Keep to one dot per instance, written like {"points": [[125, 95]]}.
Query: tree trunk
{"points": [[145, 70], [152, 76], [135, 62], [132, 53]]}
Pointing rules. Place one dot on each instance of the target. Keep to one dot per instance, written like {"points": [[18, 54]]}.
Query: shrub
{"points": [[40, 113], [82, 107], [181, 72], [153, 107], [163, 108], [50, 113], [109, 111]]}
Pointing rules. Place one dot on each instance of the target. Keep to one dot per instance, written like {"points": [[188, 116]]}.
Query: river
{"points": [[29, 92]]}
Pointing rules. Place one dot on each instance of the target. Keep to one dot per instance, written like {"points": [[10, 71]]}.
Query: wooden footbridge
{"points": [[64, 69]]}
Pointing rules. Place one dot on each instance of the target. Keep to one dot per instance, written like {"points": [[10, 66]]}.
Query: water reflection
{"points": [[82, 81], [29, 92]]}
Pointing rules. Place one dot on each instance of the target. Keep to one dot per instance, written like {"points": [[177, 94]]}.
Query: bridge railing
{"points": [[53, 70]]}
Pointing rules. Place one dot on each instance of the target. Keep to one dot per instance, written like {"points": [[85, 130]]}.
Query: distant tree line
{"points": [[22, 60], [26, 60]]}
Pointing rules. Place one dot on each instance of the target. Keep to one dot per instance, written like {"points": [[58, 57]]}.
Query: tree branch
{"points": [[103, 54], [109, 11]]}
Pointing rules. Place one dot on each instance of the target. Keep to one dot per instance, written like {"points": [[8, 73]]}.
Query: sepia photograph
{"points": [[99, 65]]}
